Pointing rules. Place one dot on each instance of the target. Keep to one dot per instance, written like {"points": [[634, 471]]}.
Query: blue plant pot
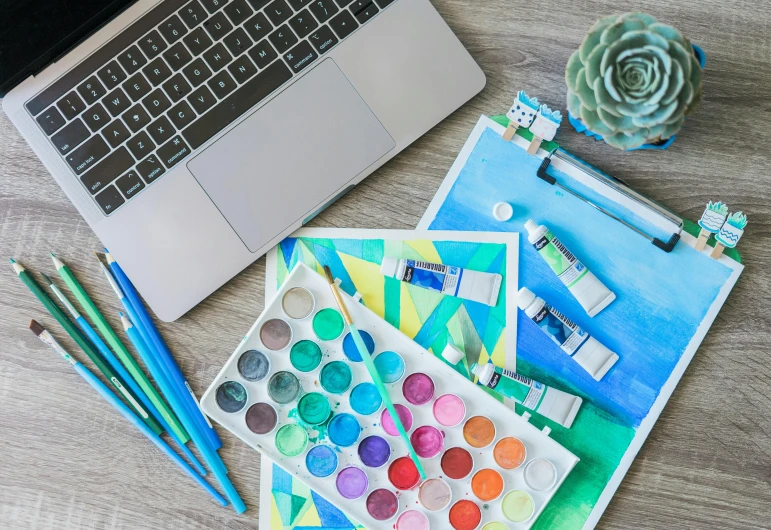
{"points": [[579, 126]]}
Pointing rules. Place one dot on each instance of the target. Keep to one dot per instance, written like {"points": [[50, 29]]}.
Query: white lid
{"points": [[531, 226], [503, 211], [388, 266], [452, 354], [525, 298], [476, 369]]}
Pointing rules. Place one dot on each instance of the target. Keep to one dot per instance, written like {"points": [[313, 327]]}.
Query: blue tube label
{"points": [[433, 276], [563, 331]]}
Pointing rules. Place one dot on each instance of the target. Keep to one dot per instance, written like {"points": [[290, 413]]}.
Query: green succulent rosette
{"points": [[633, 80]]}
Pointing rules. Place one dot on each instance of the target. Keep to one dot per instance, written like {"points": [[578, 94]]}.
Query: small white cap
{"points": [[388, 267], [503, 211], [530, 226], [525, 298], [476, 369], [452, 354]]}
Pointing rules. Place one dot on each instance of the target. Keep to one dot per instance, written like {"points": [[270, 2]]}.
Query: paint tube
{"points": [[585, 350], [549, 402], [590, 292], [478, 286]]}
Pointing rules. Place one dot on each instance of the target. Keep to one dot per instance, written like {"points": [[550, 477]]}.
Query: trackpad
{"points": [[282, 162]]}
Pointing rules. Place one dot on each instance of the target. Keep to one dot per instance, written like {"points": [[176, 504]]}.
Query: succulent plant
{"points": [[633, 80]]}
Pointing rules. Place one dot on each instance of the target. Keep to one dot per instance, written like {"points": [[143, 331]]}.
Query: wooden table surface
{"points": [[69, 461]]}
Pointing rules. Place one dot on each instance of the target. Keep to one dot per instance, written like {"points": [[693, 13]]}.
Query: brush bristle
{"points": [[36, 328], [328, 272]]}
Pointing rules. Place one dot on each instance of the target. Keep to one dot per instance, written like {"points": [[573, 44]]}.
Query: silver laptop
{"points": [[194, 135]]}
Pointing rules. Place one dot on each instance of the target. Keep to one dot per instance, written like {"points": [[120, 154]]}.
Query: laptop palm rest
{"points": [[278, 165]]}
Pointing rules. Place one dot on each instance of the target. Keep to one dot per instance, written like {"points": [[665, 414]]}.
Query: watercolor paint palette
{"points": [[296, 390]]}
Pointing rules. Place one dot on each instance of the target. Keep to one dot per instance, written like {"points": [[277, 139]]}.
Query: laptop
{"points": [[194, 135]]}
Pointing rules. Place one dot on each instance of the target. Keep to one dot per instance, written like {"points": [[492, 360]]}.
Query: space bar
{"points": [[234, 106]]}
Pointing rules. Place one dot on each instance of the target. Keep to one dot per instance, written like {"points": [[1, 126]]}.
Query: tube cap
{"points": [[476, 369], [530, 226], [388, 266], [525, 298], [452, 354]]}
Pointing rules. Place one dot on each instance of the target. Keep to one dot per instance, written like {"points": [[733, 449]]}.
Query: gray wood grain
{"points": [[68, 461]]}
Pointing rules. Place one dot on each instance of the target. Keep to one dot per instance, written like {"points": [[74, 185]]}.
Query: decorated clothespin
{"points": [[711, 221], [544, 127], [729, 233], [521, 114]]}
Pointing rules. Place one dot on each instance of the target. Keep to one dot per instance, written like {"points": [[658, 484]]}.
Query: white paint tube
{"points": [[590, 292], [478, 286], [584, 349]]}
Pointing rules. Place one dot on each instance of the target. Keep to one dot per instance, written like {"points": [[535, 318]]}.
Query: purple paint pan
{"points": [[418, 389]]}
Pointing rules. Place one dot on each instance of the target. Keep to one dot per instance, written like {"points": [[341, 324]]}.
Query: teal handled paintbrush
{"points": [[364, 352]]}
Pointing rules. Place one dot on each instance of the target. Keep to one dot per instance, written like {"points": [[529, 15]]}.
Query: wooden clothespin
{"points": [[544, 127], [521, 114], [729, 233], [711, 221]]}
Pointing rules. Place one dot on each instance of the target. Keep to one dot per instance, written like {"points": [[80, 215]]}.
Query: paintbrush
{"points": [[364, 352]]}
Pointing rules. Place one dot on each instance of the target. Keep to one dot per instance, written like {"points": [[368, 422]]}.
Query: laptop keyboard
{"points": [[179, 75]]}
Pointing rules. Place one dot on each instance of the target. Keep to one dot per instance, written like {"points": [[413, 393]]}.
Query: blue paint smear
{"points": [[282, 481], [365, 399], [351, 351], [287, 249], [343, 429], [331, 518], [390, 366], [661, 297]]}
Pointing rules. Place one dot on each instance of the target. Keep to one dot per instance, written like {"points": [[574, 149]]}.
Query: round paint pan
{"points": [[298, 303], [291, 440], [540, 474], [365, 399], [412, 520], [449, 410], [261, 418], [518, 506], [510, 452], [321, 461], [305, 356], [487, 484], [275, 334], [465, 515], [405, 415], [231, 396], [418, 388], [328, 324], [374, 451], [352, 352], [314, 408], [427, 441], [283, 387], [352, 483], [495, 525], [382, 504], [457, 463], [343, 429], [336, 377], [435, 494], [390, 365], [403, 474], [479, 431], [253, 365]]}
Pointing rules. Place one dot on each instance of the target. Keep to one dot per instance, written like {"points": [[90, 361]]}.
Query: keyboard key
{"points": [[202, 99], [383, 3], [218, 26], [213, 5], [193, 14], [323, 39], [177, 87], [116, 101], [197, 72], [343, 3], [140, 145], [71, 105], [137, 87], [88, 154], [110, 199], [242, 69], [258, 4], [115, 133], [173, 152], [113, 165], [263, 54], [91, 90], [111, 75], [150, 168], [181, 114], [132, 60], [136, 117], [238, 11], [172, 29], [303, 23], [130, 184], [156, 102], [367, 13], [298, 4], [217, 57], [177, 56], [51, 120], [157, 72], [237, 42], [359, 5], [258, 27], [222, 84], [323, 9], [235, 105], [96, 117], [70, 137], [344, 24], [198, 41], [161, 130], [278, 12], [283, 38], [300, 56], [152, 44]]}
